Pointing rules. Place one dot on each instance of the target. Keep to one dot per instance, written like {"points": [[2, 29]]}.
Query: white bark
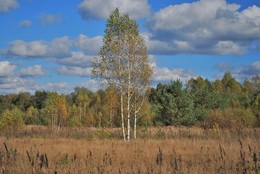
{"points": [[128, 106], [122, 114], [135, 125]]}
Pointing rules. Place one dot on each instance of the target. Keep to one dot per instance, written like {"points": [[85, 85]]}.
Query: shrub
{"points": [[11, 119], [246, 116], [73, 122], [233, 118], [220, 119]]}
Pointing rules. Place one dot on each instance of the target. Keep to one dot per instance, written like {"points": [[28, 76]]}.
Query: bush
{"points": [[11, 119], [233, 118], [246, 116], [73, 122]]}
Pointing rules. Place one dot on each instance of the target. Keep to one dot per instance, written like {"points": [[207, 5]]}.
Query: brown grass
{"points": [[169, 150]]}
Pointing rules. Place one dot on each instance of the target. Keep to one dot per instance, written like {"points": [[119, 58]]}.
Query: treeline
{"points": [[222, 103], [79, 108], [219, 104]]}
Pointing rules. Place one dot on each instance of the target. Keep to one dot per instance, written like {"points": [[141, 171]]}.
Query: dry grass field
{"points": [[158, 150]]}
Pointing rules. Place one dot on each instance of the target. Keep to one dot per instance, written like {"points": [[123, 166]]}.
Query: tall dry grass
{"points": [[170, 150]]}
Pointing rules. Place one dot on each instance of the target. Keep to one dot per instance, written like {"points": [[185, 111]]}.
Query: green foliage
{"points": [[245, 116], [32, 116], [173, 105], [219, 103], [256, 108], [55, 109], [74, 122], [146, 115], [39, 99], [256, 84], [11, 119]]}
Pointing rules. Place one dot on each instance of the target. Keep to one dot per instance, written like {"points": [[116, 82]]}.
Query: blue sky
{"points": [[49, 45]]}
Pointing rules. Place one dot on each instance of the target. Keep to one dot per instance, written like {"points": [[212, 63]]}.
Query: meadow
{"points": [[157, 150]]}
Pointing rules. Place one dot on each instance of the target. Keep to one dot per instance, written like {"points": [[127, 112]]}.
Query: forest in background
{"points": [[223, 103]]}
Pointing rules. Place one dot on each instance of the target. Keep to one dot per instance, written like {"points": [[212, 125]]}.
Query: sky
{"points": [[49, 45]]}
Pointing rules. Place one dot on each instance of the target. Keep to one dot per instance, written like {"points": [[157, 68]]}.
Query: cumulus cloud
{"points": [[98, 9], [49, 19], [91, 85], [250, 70], [7, 5], [246, 71], [12, 81], [58, 47], [54, 86], [32, 71], [223, 66], [78, 59], [77, 71], [256, 48], [166, 74], [62, 47], [91, 46], [15, 84], [203, 27], [6, 68], [25, 23]]}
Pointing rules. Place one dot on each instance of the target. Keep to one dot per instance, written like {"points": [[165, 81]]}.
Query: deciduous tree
{"points": [[123, 62], [56, 110]]}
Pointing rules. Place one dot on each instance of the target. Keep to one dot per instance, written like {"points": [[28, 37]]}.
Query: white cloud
{"points": [[256, 66], [35, 70], [6, 68], [62, 47], [25, 23], [99, 9], [54, 86], [10, 82], [223, 66], [90, 46], [77, 71], [203, 27], [49, 19], [242, 72], [166, 74], [6, 5], [15, 84], [256, 48], [39, 49], [91, 85], [78, 59]]}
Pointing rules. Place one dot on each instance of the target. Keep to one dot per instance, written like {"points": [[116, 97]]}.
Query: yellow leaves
{"points": [[56, 106], [11, 119]]}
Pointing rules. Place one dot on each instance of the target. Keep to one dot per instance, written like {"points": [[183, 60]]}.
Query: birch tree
{"points": [[56, 110], [123, 63]]}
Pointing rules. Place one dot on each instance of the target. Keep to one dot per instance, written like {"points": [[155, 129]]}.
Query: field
{"points": [[157, 150]]}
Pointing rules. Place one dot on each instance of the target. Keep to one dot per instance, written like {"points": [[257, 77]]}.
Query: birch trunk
{"points": [[122, 114], [128, 111], [135, 125]]}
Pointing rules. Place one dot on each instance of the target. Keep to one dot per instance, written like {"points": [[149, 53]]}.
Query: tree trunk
{"points": [[128, 101], [110, 113], [80, 113], [122, 114], [135, 125], [84, 109], [128, 114]]}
